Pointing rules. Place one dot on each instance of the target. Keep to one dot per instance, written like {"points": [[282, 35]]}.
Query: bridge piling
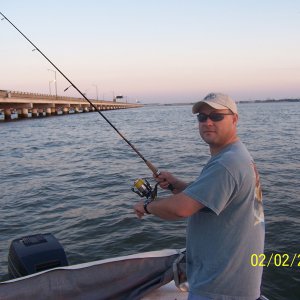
{"points": [[14, 105]]}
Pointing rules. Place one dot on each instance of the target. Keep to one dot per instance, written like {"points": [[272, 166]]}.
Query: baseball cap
{"points": [[217, 101]]}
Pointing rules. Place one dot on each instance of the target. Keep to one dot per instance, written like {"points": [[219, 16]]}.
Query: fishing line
{"points": [[155, 171]]}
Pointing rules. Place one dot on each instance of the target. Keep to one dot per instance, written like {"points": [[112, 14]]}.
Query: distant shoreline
{"points": [[239, 102], [269, 100]]}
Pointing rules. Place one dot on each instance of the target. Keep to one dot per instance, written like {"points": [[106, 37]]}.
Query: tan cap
{"points": [[217, 101]]}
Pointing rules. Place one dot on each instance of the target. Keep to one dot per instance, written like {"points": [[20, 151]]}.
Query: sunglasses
{"points": [[215, 117]]}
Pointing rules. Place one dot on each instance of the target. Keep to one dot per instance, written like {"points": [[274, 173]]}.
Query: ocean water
{"points": [[72, 176]]}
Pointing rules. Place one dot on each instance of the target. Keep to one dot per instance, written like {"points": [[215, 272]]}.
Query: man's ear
{"points": [[235, 118]]}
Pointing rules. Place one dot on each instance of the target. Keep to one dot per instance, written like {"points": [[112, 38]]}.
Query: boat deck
{"points": [[167, 292]]}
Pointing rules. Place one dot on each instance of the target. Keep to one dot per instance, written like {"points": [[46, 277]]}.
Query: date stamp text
{"points": [[275, 259]]}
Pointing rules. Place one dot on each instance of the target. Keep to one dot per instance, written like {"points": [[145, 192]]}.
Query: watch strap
{"points": [[147, 202]]}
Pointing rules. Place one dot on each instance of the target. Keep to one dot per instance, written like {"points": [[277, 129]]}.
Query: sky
{"points": [[158, 51]]}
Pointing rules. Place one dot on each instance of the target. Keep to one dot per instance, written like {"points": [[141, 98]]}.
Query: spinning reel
{"points": [[144, 189]]}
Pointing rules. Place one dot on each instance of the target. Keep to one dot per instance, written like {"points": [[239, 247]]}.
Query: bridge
{"points": [[25, 105]]}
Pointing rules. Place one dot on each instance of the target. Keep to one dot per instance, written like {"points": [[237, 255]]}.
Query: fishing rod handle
{"points": [[156, 172]]}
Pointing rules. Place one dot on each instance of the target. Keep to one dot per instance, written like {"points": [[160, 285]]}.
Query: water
{"points": [[72, 175]]}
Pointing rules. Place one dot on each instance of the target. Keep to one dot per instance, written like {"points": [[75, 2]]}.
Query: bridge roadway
{"points": [[26, 105]]}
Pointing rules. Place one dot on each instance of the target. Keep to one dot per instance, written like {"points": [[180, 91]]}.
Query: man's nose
{"points": [[208, 122]]}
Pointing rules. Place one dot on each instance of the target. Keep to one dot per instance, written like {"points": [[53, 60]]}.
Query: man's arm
{"points": [[174, 207]]}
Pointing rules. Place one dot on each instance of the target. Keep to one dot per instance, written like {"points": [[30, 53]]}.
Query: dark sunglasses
{"points": [[215, 117]]}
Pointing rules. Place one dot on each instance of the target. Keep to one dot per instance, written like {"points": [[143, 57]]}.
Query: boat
{"points": [[148, 275], [154, 275]]}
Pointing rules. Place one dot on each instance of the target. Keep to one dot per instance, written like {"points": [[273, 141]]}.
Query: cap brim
{"points": [[197, 106]]}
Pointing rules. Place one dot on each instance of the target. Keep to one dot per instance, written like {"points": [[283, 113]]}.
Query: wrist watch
{"points": [[147, 202]]}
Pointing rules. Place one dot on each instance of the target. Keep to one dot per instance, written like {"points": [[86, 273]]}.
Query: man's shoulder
{"points": [[234, 152], [235, 158]]}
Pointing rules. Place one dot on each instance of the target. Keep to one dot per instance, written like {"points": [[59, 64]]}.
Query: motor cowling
{"points": [[35, 253]]}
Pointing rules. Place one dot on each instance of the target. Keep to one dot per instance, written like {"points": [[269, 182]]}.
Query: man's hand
{"points": [[165, 179], [139, 209]]}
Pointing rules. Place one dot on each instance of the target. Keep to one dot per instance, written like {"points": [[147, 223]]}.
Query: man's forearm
{"points": [[164, 209], [174, 207]]}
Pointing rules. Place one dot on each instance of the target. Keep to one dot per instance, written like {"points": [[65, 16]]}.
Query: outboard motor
{"points": [[35, 253]]}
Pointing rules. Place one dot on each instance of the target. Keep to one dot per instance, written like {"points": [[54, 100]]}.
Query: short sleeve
{"points": [[214, 188]]}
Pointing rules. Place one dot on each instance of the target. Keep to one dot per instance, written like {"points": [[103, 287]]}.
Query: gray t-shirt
{"points": [[222, 237]]}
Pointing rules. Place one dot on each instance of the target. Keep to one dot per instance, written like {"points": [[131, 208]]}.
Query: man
{"points": [[223, 206]]}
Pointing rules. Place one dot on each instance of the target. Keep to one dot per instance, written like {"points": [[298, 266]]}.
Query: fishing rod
{"points": [[154, 170]]}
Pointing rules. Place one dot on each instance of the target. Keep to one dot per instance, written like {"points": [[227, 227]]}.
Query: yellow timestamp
{"points": [[275, 259]]}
